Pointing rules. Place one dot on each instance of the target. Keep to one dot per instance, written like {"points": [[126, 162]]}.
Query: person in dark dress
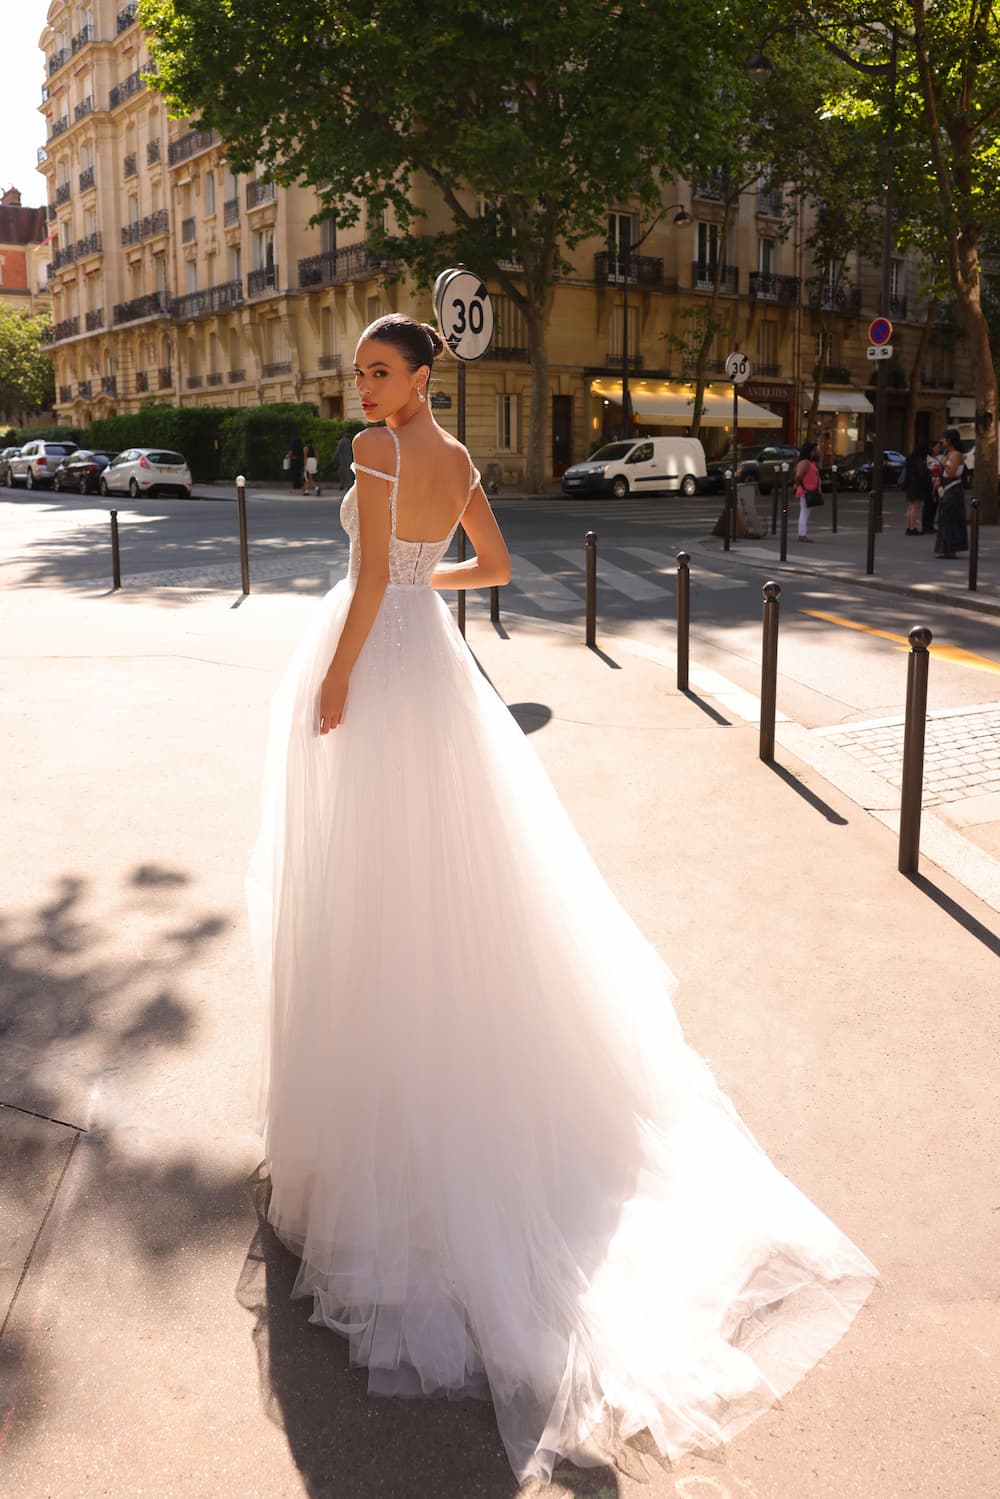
{"points": [[919, 487], [952, 536], [296, 450]]}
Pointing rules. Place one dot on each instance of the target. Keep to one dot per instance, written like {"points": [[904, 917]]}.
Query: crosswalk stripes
{"points": [[714, 582], [541, 587], [632, 585]]}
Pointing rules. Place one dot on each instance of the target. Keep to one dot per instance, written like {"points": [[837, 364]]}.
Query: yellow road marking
{"points": [[952, 653]]}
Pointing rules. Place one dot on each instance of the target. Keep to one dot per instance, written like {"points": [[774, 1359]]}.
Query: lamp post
{"points": [[680, 217], [760, 68]]}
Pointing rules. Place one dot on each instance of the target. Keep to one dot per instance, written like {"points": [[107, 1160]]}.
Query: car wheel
{"points": [[619, 487], [29, 482], [689, 485], [104, 487], [133, 489]]}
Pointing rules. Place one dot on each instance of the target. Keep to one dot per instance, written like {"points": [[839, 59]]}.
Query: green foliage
{"points": [[18, 436], [256, 439], [27, 382], [195, 431]]}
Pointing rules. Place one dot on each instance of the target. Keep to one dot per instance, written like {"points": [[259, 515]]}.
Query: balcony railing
{"points": [[41, 155], [212, 300], [83, 36], [154, 223], [84, 389], [152, 152], [713, 189], [508, 353], [768, 287], [94, 319], [186, 146], [643, 270], [329, 361], [193, 382], [845, 300], [129, 166], [770, 202], [51, 211], [63, 257], [231, 211], [141, 381], [897, 307], [153, 304], [165, 375], [122, 91], [352, 263], [259, 192], [62, 193], [931, 381], [617, 361], [58, 126], [236, 377], [86, 179], [68, 328], [187, 231], [703, 277], [281, 367], [89, 245], [126, 17], [85, 107], [59, 59], [262, 280], [214, 377], [109, 385], [65, 393]]}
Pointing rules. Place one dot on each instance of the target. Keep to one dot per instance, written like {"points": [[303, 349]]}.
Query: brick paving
{"points": [[961, 752]]}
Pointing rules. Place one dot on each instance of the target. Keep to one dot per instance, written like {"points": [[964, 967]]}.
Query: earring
{"points": [[421, 397]]}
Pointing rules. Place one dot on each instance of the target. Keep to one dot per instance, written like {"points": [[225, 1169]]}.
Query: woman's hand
{"points": [[332, 697]]}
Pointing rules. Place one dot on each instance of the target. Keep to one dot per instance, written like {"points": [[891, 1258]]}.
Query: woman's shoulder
{"points": [[374, 447]]}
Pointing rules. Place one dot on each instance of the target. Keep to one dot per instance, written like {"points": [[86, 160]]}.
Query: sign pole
{"points": [[738, 371]]}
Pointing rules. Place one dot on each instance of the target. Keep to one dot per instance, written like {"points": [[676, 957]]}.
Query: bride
{"points": [[503, 1169]]}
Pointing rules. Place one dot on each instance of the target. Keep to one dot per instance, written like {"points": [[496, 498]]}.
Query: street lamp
{"points": [[760, 68], [680, 217]]}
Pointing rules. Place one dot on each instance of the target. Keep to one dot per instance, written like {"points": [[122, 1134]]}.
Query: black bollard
{"points": [[784, 513], [727, 509], [913, 749], [974, 548], [495, 604], [591, 545], [775, 492], [834, 496], [769, 670], [683, 619], [241, 511], [116, 561], [870, 553], [461, 591]]}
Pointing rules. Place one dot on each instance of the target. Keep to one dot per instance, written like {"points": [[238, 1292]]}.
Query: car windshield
{"points": [[171, 459], [611, 451], [58, 449]]}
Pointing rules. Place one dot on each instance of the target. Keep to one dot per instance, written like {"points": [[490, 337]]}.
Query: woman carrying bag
{"points": [[808, 485]]}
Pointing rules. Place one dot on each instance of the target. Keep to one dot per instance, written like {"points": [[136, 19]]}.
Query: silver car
{"points": [[139, 471], [35, 463]]}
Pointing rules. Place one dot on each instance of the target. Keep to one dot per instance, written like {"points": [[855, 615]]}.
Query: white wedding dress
{"points": [[506, 1173]]}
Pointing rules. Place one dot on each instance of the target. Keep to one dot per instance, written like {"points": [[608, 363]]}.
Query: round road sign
{"points": [[465, 313], [880, 330], [738, 368]]}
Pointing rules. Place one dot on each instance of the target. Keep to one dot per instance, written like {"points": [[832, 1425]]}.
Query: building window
{"points": [[767, 348], [327, 331], [235, 263], [133, 208], [262, 249], [373, 309], [510, 332], [621, 237], [507, 422], [328, 235], [209, 194], [616, 325], [191, 276], [767, 257]]}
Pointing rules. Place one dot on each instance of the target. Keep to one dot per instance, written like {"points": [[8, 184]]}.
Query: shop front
{"points": [[666, 407], [843, 424]]}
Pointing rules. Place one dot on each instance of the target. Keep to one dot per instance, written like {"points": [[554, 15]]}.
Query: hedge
{"points": [[195, 431], [18, 436]]}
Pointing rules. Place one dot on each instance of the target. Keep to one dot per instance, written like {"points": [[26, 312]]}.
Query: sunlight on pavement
{"points": [[952, 653]]}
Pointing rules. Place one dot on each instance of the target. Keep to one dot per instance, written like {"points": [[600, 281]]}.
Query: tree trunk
{"points": [[711, 326], [984, 380], [913, 396], [536, 468]]}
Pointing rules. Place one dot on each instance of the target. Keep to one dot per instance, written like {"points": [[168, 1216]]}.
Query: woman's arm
{"points": [[491, 564]]}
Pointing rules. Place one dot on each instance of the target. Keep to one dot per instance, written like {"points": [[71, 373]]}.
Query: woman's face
{"points": [[384, 381]]}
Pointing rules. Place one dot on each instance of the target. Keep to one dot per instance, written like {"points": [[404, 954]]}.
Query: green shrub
{"points": [[195, 431], [256, 439], [18, 436]]}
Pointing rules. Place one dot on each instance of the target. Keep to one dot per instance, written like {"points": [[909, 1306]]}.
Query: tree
{"points": [[27, 379], [544, 113]]}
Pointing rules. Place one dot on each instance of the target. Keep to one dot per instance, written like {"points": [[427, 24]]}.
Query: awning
{"points": [[843, 400], [673, 403], [961, 408]]}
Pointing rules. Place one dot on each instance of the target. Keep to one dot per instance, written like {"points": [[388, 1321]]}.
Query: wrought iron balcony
{"points": [[281, 367], [85, 107], [714, 189], [231, 211], [770, 202], [59, 59], [65, 393], [68, 328], [109, 385], [129, 166], [152, 152], [236, 377], [62, 193], [141, 381], [89, 245], [154, 223], [58, 126], [259, 192], [214, 377], [329, 361], [166, 377], [94, 319], [193, 382], [352, 263], [126, 17], [122, 91], [845, 300], [897, 307], [186, 146], [63, 257], [84, 389], [153, 304], [187, 231], [768, 287], [51, 212], [262, 280], [87, 179], [83, 36], [703, 277], [508, 353], [617, 361], [766, 371], [207, 303], [643, 270]]}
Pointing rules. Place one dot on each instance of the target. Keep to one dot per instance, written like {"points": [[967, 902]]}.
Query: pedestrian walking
{"points": [[952, 535], [310, 483], [808, 485], [343, 456], [295, 452], [502, 1168], [918, 485]]}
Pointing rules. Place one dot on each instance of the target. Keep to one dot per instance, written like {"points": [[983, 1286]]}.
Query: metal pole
{"points": [[241, 511], [736, 462], [626, 393], [882, 377], [784, 513], [683, 619], [461, 529], [591, 546], [727, 508], [870, 552], [834, 496], [116, 561], [775, 491], [974, 548], [495, 605], [769, 670], [913, 749]]}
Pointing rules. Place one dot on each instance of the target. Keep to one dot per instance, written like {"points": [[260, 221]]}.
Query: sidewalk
{"points": [[150, 1347]]}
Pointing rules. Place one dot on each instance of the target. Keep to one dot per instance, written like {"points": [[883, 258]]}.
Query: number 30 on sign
{"points": [[464, 313]]}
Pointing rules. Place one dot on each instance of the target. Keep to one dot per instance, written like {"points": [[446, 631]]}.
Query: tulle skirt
{"points": [[505, 1172]]}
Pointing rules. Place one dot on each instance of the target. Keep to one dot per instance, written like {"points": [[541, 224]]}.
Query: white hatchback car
{"points": [[139, 471]]}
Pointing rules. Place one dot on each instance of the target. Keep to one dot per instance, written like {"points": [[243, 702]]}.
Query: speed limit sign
{"points": [[737, 368], [464, 313]]}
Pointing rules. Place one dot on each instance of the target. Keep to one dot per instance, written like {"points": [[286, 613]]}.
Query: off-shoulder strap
{"points": [[362, 468], [392, 478]]}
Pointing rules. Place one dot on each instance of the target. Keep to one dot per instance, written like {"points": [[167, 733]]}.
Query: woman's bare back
{"points": [[434, 475]]}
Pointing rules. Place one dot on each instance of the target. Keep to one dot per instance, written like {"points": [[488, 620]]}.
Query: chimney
{"points": [[11, 198]]}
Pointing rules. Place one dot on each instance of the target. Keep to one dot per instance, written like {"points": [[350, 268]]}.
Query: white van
{"points": [[644, 465]]}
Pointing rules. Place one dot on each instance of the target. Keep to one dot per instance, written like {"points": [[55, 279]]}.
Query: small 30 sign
{"points": [[737, 368], [464, 313]]}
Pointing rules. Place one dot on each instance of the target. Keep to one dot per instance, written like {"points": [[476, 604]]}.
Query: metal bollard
{"points": [[769, 670], [727, 509], [241, 511], [974, 548], [870, 553], [913, 749], [683, 619], [591, 546], [834, 496], [461, 591], [784, 513], [495, 604], [116, 561], [775, 492]]}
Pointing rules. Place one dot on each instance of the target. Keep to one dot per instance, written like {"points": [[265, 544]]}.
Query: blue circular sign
{"points": [[880, 331]]}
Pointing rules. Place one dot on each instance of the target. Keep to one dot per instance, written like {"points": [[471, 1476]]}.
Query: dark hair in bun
{"points": [[418, 343]]}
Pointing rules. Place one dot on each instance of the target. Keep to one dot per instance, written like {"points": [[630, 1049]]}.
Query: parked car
{"points": [[763, 465], [139, 471], [5, 456], [81, 471], [640, 465], [857, 470], [35, 463]]}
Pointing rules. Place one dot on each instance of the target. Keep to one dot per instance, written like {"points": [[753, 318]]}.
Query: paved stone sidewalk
{"points": [[961, 751]]}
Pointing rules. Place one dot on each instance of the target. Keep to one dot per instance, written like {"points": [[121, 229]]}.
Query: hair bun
{"points": [[437, 342]]}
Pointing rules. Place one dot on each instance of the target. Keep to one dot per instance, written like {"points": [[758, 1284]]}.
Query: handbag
{"points": [[813, 498]]}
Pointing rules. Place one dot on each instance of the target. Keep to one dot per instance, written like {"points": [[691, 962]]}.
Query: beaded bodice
{"points": [[411, 563]]}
